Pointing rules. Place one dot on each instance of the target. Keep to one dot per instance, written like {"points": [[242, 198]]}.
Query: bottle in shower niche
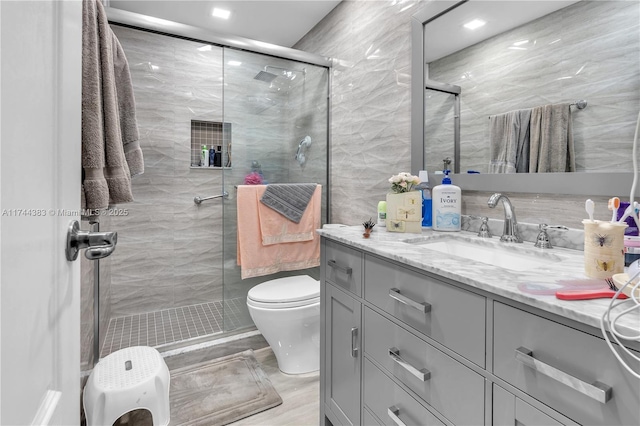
{"points": [[447, 205], [204, 158]]}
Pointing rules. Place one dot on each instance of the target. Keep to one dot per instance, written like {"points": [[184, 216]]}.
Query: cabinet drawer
{"points": [[438, 379], [508, 410], [559, 355], [387, 400], [343, 266], [445, 313]]}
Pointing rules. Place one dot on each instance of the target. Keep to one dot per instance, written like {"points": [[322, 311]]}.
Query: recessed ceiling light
{"points": [[221, 13], [234, 63], [476, 23]]}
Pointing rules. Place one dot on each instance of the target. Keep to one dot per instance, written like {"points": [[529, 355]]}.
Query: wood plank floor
{"points": [[300, 397]]}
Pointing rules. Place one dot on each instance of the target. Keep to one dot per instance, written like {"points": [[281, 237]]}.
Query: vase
{"points": [[404, 212]]}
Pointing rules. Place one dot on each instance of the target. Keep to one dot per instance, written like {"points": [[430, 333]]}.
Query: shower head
{"points": [[265, 76]]}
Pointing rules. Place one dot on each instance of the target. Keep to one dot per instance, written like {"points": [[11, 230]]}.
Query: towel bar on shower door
{"points": [[199, 200]]}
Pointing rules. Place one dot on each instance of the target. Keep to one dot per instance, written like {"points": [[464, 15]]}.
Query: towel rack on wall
{"points": [[199, 200], [581, 104]]}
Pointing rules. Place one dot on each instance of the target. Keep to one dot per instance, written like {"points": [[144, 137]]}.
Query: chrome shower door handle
{"points": [[98, 244]]}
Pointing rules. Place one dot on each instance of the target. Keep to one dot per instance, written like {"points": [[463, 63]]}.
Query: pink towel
{"points": [[254, 257], [276, 228]]}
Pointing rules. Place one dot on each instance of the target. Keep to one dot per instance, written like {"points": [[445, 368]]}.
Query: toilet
{"points": [[287, 313]]}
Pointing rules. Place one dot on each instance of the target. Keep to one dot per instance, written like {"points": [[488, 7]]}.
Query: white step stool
{"points": [[127, 380]]}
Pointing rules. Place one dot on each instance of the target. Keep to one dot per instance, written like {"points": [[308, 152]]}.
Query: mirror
{"points": [[540, 53]]}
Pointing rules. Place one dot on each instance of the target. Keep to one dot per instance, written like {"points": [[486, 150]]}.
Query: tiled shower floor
{"points": [[174, 325]]}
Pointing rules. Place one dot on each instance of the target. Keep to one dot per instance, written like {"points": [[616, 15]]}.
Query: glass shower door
{"points": [[271, 106]]}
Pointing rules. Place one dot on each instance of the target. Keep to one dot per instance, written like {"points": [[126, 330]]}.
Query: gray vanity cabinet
{"points": [[402, 346]]}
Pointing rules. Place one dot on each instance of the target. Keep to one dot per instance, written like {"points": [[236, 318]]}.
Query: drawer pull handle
{"points": [[422, 374], [335, 265], [393, 412], [354, 342], [394, 293], [598, 391]]}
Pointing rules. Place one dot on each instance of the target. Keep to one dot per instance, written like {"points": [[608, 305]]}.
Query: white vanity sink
{"points": [[514, 257]]}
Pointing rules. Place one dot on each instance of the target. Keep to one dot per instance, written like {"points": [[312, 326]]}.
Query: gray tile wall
{"points": [[560, 60], [371, 116], [370, 101]]}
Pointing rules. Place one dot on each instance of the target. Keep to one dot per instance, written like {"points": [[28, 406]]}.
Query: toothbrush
{"points": [[614, 204], [589, 206]]}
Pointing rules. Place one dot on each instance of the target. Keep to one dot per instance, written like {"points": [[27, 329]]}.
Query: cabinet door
{"points": [[343, 356]]}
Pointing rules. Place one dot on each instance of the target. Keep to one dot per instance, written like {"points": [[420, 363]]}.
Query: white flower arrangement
{"points": [[403, 182]]}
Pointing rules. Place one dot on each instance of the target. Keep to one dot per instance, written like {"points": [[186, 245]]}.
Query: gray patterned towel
{"points": [[289, 199]]}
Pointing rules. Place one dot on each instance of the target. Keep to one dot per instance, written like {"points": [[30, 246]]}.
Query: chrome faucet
{"points": [[510, 233]]}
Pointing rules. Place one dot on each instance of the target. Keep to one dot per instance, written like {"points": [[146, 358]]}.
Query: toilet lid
{"points": [[287, 289]]}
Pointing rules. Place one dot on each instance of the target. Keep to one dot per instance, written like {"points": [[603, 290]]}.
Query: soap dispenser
{"points": [[447, 204]]}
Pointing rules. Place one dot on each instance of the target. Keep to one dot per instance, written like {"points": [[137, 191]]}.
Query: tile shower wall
{"points": [[169, 249], [371, 115], [560, 61]]}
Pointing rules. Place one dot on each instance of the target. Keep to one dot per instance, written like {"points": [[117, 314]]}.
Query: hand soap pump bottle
{"points": [[426, 198], [447, 203]]}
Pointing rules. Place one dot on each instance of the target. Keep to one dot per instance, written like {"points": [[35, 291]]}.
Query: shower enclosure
{"points": [[208, 115]]}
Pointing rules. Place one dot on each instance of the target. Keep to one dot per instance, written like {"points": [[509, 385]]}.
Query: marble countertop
{"points": [[565, 267]]}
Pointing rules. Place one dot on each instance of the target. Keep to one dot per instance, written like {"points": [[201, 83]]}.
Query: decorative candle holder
{"points": [[603, 248]]}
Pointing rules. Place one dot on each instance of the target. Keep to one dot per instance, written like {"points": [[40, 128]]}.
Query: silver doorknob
{"points": [[98, 244]]}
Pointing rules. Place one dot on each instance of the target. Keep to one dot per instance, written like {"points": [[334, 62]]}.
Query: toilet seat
{"points": [[287, 292]]}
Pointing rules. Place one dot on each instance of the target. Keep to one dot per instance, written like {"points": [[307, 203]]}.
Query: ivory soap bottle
{"points": [[447, 204]]}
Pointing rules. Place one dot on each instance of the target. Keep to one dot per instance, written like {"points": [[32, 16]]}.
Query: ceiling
{"points": [[446, 34], [279, 22]]}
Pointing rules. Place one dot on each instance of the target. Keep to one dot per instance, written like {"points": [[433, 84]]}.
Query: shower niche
{"points": [[210, 144]]}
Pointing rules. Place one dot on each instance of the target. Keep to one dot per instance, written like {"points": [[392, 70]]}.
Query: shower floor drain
{"points": [[174, 325]]}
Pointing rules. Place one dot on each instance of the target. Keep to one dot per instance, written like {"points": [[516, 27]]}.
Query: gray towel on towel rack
{"points": [[509, 141], [289, 199], [552, 149]]}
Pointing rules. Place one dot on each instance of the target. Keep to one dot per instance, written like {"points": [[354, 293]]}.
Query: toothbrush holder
{"points": [[603, 248]]}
